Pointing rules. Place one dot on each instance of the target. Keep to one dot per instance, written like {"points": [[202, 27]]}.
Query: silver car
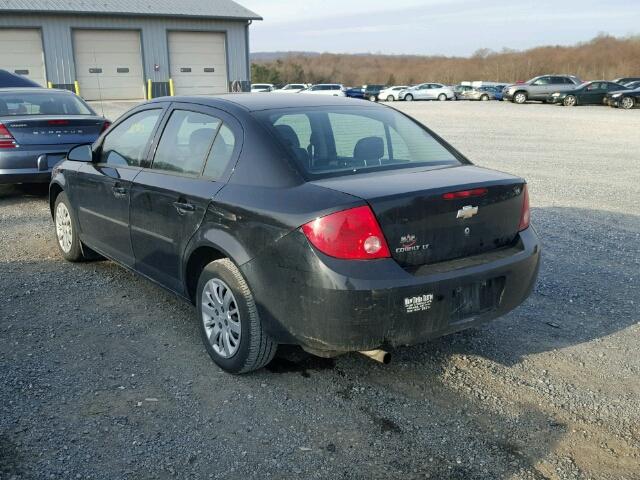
{"points": [[427, 91], [539, 88]]}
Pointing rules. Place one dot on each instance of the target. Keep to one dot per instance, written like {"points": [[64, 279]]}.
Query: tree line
{"points": [[604, 57]]}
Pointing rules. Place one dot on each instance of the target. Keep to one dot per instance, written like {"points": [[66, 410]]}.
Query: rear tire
{"points": [[229, 322], [627, 103], [520, 98], [484, 98], [372, 98], [408, 98], [66, 226], [442, 97]]}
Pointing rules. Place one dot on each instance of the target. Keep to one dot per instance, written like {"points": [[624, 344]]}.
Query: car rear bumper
{"points": [[330, 305], [30, 164]]}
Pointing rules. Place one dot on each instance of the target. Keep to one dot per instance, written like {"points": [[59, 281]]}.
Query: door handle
{"points": [[184, 207], [119, 191]]}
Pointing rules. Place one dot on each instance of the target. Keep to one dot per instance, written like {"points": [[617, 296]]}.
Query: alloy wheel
{"points": [[570, 101], [627, 103], [221, 318], [390, 98], [408, 98], [442, 97], [64, 229], [520, 98]]}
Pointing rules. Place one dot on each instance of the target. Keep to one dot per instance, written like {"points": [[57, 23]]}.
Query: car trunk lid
{"points": [[421, 226], [54, 130]]}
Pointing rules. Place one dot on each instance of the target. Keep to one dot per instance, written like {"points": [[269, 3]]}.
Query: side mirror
{"points": [[81, 153]]}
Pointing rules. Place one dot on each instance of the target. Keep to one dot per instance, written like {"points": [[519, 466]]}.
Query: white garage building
{"points": [[128, 49]]}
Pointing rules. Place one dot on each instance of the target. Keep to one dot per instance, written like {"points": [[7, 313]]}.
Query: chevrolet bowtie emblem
{"points": [[467, 212]]}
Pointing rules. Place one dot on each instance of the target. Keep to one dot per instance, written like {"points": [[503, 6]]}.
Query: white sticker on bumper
{"points": [[421, 303]]}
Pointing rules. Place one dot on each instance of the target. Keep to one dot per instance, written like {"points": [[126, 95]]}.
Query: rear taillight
{"points": [[474, 192], [525, 215], [105, 126], [58, 122], [6, 139], [352, 234]]}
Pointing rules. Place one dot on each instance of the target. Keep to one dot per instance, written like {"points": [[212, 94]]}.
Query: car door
{"points": [[101, 189], [191, 160], [539, 89], [593, 93], [422, 92]]}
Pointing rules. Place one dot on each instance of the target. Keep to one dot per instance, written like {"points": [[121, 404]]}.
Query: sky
{"points": [[443, 27]]}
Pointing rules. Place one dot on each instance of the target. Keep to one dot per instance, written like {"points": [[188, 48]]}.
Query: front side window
{"points": [[331, 141], [126, 143], [186, 142]]}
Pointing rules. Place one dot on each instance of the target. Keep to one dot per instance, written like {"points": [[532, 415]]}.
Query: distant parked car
{"points": [[625, 99], [589, 93], [38, 126], [11, 80], [291, 88], [427, 91], [391, 94], [261, 87], [355, 92], [539, 88], [335, 89], [482, 93], [626, 80], [459, 91], [371, 92]]}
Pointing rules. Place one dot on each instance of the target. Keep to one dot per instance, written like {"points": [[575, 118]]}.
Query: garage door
{"points": [[198, 63], [21, 53], [109, 64]]}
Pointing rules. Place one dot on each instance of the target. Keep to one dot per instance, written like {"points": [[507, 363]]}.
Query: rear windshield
{"points": [[331, 141], [42, 103]]}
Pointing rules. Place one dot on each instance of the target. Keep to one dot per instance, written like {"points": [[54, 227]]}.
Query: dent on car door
{"points": [[101, 189], [169, 199]]}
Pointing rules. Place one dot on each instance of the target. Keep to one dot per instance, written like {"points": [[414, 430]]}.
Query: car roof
{"points": [[267, 101]]}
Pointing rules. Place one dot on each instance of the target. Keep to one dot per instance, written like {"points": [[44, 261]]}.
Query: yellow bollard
{"points": [[49, 85], [149, 94], [76, 87], [171, 93]]}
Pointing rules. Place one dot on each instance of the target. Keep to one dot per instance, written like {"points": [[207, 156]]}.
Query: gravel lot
{"points": [[103, 375]]}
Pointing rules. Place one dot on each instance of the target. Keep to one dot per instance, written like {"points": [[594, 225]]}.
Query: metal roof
{"points": [[226, 9]]}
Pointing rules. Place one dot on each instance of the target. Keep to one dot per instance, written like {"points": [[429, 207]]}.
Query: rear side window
{"points": [[331, 141], [186, 142], [220, 154], [126, 143]]}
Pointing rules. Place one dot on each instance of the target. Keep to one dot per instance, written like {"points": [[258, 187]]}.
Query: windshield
{"points": [[42, 103], [331, 141]]}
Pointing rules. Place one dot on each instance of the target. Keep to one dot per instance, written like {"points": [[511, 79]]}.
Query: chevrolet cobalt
{"points": [[311, 220]]}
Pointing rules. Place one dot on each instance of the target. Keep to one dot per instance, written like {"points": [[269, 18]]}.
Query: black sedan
{"points": [[625, 99], [38, 126], [297, 219], [589, 93]]}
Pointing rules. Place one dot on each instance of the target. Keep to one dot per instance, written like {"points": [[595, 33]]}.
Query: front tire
{"points": [[229, 322], [66, 225], [390, 98], [372, 98], [484, 98], [408, 98], [520, 98], [627, 103], [570, 101], [442, 97]]}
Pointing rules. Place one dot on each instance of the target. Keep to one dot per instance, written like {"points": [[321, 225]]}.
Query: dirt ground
{"points": [[103, 375]]}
